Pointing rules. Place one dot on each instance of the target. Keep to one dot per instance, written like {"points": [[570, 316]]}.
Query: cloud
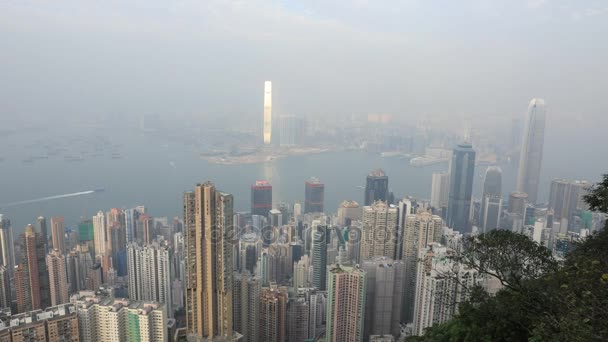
{"points": [[536, 3]]}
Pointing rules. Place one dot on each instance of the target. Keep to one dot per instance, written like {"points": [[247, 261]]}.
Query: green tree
{"points": [[542, 300]]}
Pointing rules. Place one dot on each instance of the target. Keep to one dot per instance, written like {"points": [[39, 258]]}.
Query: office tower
{"points": [[31, 276], [250, 247], [273, 309], [440, 189], [565, 198], [275, 218], [131, 216], [346, 304], [385, 285], [348, 212], [298, 312], [150, 273], [261, 198], [438, 295], [300, 272], [56, 265], [317, 301], [58, 233], [54, 324], [516, 212], [319, 259], [267, 112], [491, 201], [103, 318], [99, 233], [208, 216], [144, 229], [86, 232], [420, 230], [7, 250], [376, 187], [379, 233], [462, 173], [42, 229], [531, 155], [297, 212], [314, 194], [5, 288], [246, 306]]}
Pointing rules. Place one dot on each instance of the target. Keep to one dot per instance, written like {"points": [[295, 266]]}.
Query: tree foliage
{"points": [[542, 300]]}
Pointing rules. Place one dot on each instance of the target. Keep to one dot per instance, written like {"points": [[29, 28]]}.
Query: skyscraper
{"points": [[531, 155], [385, 285], [5, 288], [7, 250], [267, 112], [462, 173], [379, 233], [565, 198], [440, 189], [298, 312], [246, 306], [55, 262], [491, 201], [99, 233], [31, 277], [314, 194], [273, 313], [346, 304], [42, 229], [376, 187], [261, 198], [150, 273], [319, 258], [208, 216], [57, 234], [420, 230]]}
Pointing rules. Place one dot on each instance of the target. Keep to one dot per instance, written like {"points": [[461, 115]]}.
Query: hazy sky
{"points": [[407, 58]]}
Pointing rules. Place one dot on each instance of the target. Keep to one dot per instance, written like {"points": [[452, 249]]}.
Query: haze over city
{"points": [[282, 170]]}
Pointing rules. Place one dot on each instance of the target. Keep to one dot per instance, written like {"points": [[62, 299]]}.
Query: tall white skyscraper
{"points": [[267, 112], [440, 188], [531, 155], [99, 233]]}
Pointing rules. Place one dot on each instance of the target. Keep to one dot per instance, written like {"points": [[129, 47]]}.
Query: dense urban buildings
{"points": [[462, 174], [31, 276], [531, 155]]}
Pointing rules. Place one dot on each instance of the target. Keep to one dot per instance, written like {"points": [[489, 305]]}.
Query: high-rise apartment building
{"points": [[348, 212], [99, 234], [491, 201], [441, 285], [440, 189], [54, 324], [462, 174], [346, 304], [246, 306], [319, 258], [208, 216], [261, 198], [5, 288], [376, 187], [59, 286], [42, 229], [150, 273], [298, 312], [267, 112], [31, 276], [420, 230], [385, 286], [379, 231], [58, 233], [531, 155], [103, 318], [314, 194], [273, 313]]}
